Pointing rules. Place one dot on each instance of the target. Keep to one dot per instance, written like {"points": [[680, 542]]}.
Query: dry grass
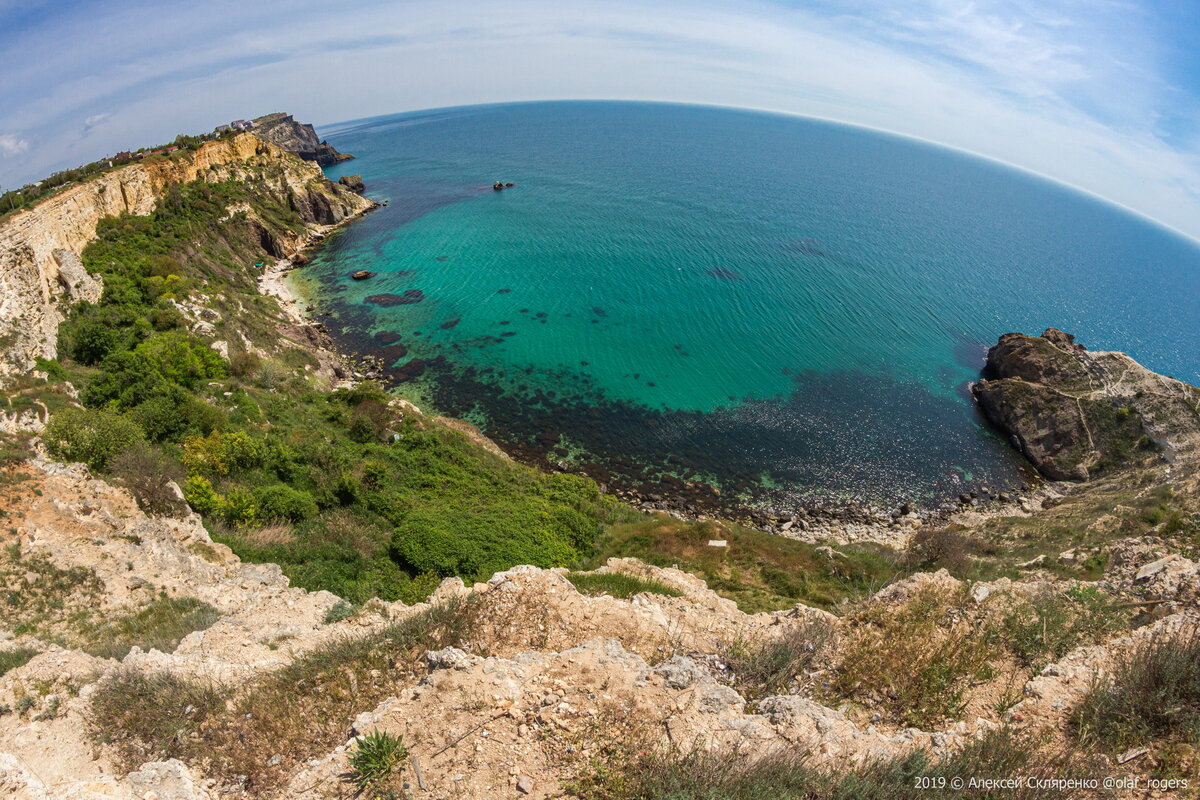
{"points": [[254, 737], [161, 625], [1151, 693], [773, 666], [914, 662], [630, 767], [274, 535]]}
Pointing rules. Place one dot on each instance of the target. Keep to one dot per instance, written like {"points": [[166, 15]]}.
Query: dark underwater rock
{"points": [[388, 300], [724, 274]]}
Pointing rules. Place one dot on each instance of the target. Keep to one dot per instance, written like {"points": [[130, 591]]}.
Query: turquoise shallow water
{"points": [[752, 299]]}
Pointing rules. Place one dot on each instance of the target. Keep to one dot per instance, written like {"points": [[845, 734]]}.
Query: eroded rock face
{"points": [[1076, 413], [40, 247]]}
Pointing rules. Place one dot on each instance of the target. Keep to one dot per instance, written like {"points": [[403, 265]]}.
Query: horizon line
{"points": [[1192, 240]]}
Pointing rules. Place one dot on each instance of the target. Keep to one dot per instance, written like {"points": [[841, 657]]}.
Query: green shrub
{"points": [[282, 502], [1048, 625], [222, 453], [477, 544], [339, 611], [376, 756], [181, 359], [1152, 692], [94, 437], [89, 341], [200, 495]]}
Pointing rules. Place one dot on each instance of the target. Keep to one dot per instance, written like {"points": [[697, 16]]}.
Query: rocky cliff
{"points": [[299, 138], [1076, 413], [40, 271]]}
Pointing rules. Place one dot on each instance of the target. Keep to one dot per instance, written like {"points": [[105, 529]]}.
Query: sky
{"points": [[1103, 95]]}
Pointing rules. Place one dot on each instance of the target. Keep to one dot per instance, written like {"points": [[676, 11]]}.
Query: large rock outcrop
{"points": [[40, 270], [1076, 413], [299, 138]]}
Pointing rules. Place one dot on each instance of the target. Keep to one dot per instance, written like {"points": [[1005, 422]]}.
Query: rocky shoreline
{"points": [[814, 521]]}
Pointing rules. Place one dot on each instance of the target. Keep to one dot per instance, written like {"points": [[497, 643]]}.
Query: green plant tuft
{"points": [[376, 757]]}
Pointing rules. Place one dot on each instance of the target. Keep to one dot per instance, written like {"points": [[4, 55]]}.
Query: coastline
{"points": [[841, 522], [273, 281]]}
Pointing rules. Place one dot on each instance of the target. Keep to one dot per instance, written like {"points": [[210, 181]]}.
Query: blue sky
{"points": [[1100, 94]]}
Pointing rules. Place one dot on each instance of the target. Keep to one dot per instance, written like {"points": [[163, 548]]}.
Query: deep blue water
{"points": [[742, 298]]}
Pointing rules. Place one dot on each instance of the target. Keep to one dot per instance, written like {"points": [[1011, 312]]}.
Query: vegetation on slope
{"points": [[342, 489], [760, 571]]}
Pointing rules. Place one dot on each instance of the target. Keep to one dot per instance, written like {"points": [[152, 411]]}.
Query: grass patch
{"points": [[759, 571], [161, 625], [1152, 693], [339, 611], [1045, 627], [40, 598], [619, 585], [914, 662], [772, 666], [11, 659], [623, 774], [254, 736]]}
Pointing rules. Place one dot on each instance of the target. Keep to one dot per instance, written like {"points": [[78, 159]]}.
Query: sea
{"points": [[781, 308]]}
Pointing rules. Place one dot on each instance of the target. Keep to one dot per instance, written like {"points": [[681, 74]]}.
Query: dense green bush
{"points": [[91, 436], [282, 502], [477, 544]]}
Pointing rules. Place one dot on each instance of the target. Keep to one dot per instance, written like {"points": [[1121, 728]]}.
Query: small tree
{"points": [[92, 436]]}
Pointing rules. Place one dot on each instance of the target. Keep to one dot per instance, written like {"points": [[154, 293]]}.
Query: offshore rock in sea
{"points": [[354, 183], [1076, 414]]}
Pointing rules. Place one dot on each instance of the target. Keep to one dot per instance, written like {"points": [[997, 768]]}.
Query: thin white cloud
{"points": [[94, 120], [11, 145], [1072, 89]]}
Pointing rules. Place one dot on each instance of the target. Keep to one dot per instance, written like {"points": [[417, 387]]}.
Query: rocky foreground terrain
{"points": [[511, 687]]}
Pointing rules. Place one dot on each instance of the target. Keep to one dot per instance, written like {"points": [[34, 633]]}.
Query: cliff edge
{"points": [[299, 138]]}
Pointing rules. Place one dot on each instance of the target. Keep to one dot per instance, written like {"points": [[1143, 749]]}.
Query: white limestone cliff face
{"points": [[40, 270]]}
